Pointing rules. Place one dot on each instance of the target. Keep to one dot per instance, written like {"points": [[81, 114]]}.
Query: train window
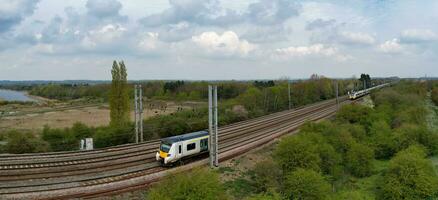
{"points": [[191, 146], [179, 149]]}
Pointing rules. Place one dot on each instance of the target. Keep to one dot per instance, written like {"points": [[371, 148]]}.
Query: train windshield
{"points": [[165, 147]]}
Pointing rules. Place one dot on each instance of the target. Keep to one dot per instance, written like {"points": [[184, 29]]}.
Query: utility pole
{"points": [[288, 93], [136, 113], [141, 112], [213, 125], [337, 94]]}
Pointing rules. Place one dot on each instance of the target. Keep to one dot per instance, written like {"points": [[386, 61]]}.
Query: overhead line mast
{"points": [[138, 113], [213, 125]]}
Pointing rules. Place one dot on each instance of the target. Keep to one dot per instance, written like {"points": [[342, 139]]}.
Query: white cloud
{"points": [[418, 35], [391, 46], [356, 38], [107, 34], [228, 43], [149, 41], [312, 50]]}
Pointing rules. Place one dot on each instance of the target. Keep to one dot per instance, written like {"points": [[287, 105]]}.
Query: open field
{"points": [[60, 116]]}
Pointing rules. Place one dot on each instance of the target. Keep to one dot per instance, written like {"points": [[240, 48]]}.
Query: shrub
{"points": [[267, 175], [409, 176], [354, 113], [60, 139], [200, 184], [111, 136], [359, 160], [266, 196], [296, 152], [305, 184], [353, 195], [435, 95], [81, 131], [18, 142]]}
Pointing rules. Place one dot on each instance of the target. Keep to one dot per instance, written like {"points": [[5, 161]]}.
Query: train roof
{"points": [[186, 136]]}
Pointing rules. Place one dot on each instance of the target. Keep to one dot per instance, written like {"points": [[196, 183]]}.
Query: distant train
{"points": [[173, 149], [354, 95]]}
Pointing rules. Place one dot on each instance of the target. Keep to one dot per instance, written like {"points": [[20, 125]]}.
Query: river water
{"points": [[11, 95]]}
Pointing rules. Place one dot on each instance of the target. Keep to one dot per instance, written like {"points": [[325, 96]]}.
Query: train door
{"points": [[204, 144]]}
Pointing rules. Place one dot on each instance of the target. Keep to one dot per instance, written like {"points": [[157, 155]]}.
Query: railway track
{"points": [[98, 172]]}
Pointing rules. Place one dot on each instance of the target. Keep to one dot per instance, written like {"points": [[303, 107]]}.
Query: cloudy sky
{"points": [[217, 39]]}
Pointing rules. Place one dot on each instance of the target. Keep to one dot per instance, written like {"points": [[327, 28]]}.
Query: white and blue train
{"points": [[354, 95], [173, 149]]}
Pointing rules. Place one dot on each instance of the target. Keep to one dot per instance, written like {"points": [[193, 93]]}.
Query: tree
{"points": [[297, 152], [365, 79], [382, 140], [359, 160], [119, 99], [305, 184], [409, 176], [200, 184]]}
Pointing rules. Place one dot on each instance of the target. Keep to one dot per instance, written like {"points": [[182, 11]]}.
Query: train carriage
{"points": [[173, 149]]}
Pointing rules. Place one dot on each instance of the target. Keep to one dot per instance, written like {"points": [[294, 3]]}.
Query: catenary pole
{"points": [[289, 97], [210, 124], [337, 95], [135, 113], [216, 150], [141, 112]]}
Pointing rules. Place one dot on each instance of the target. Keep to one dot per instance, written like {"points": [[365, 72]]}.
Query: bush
{"points": [[60, 139], [81, 131], [296, 152], [409, 176], [200, 184], [18, 142], [355, 113], [266, 196], [359, 160], [267, 176], [352, 195], [305, 184], [435, 95], [111, 136]]}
